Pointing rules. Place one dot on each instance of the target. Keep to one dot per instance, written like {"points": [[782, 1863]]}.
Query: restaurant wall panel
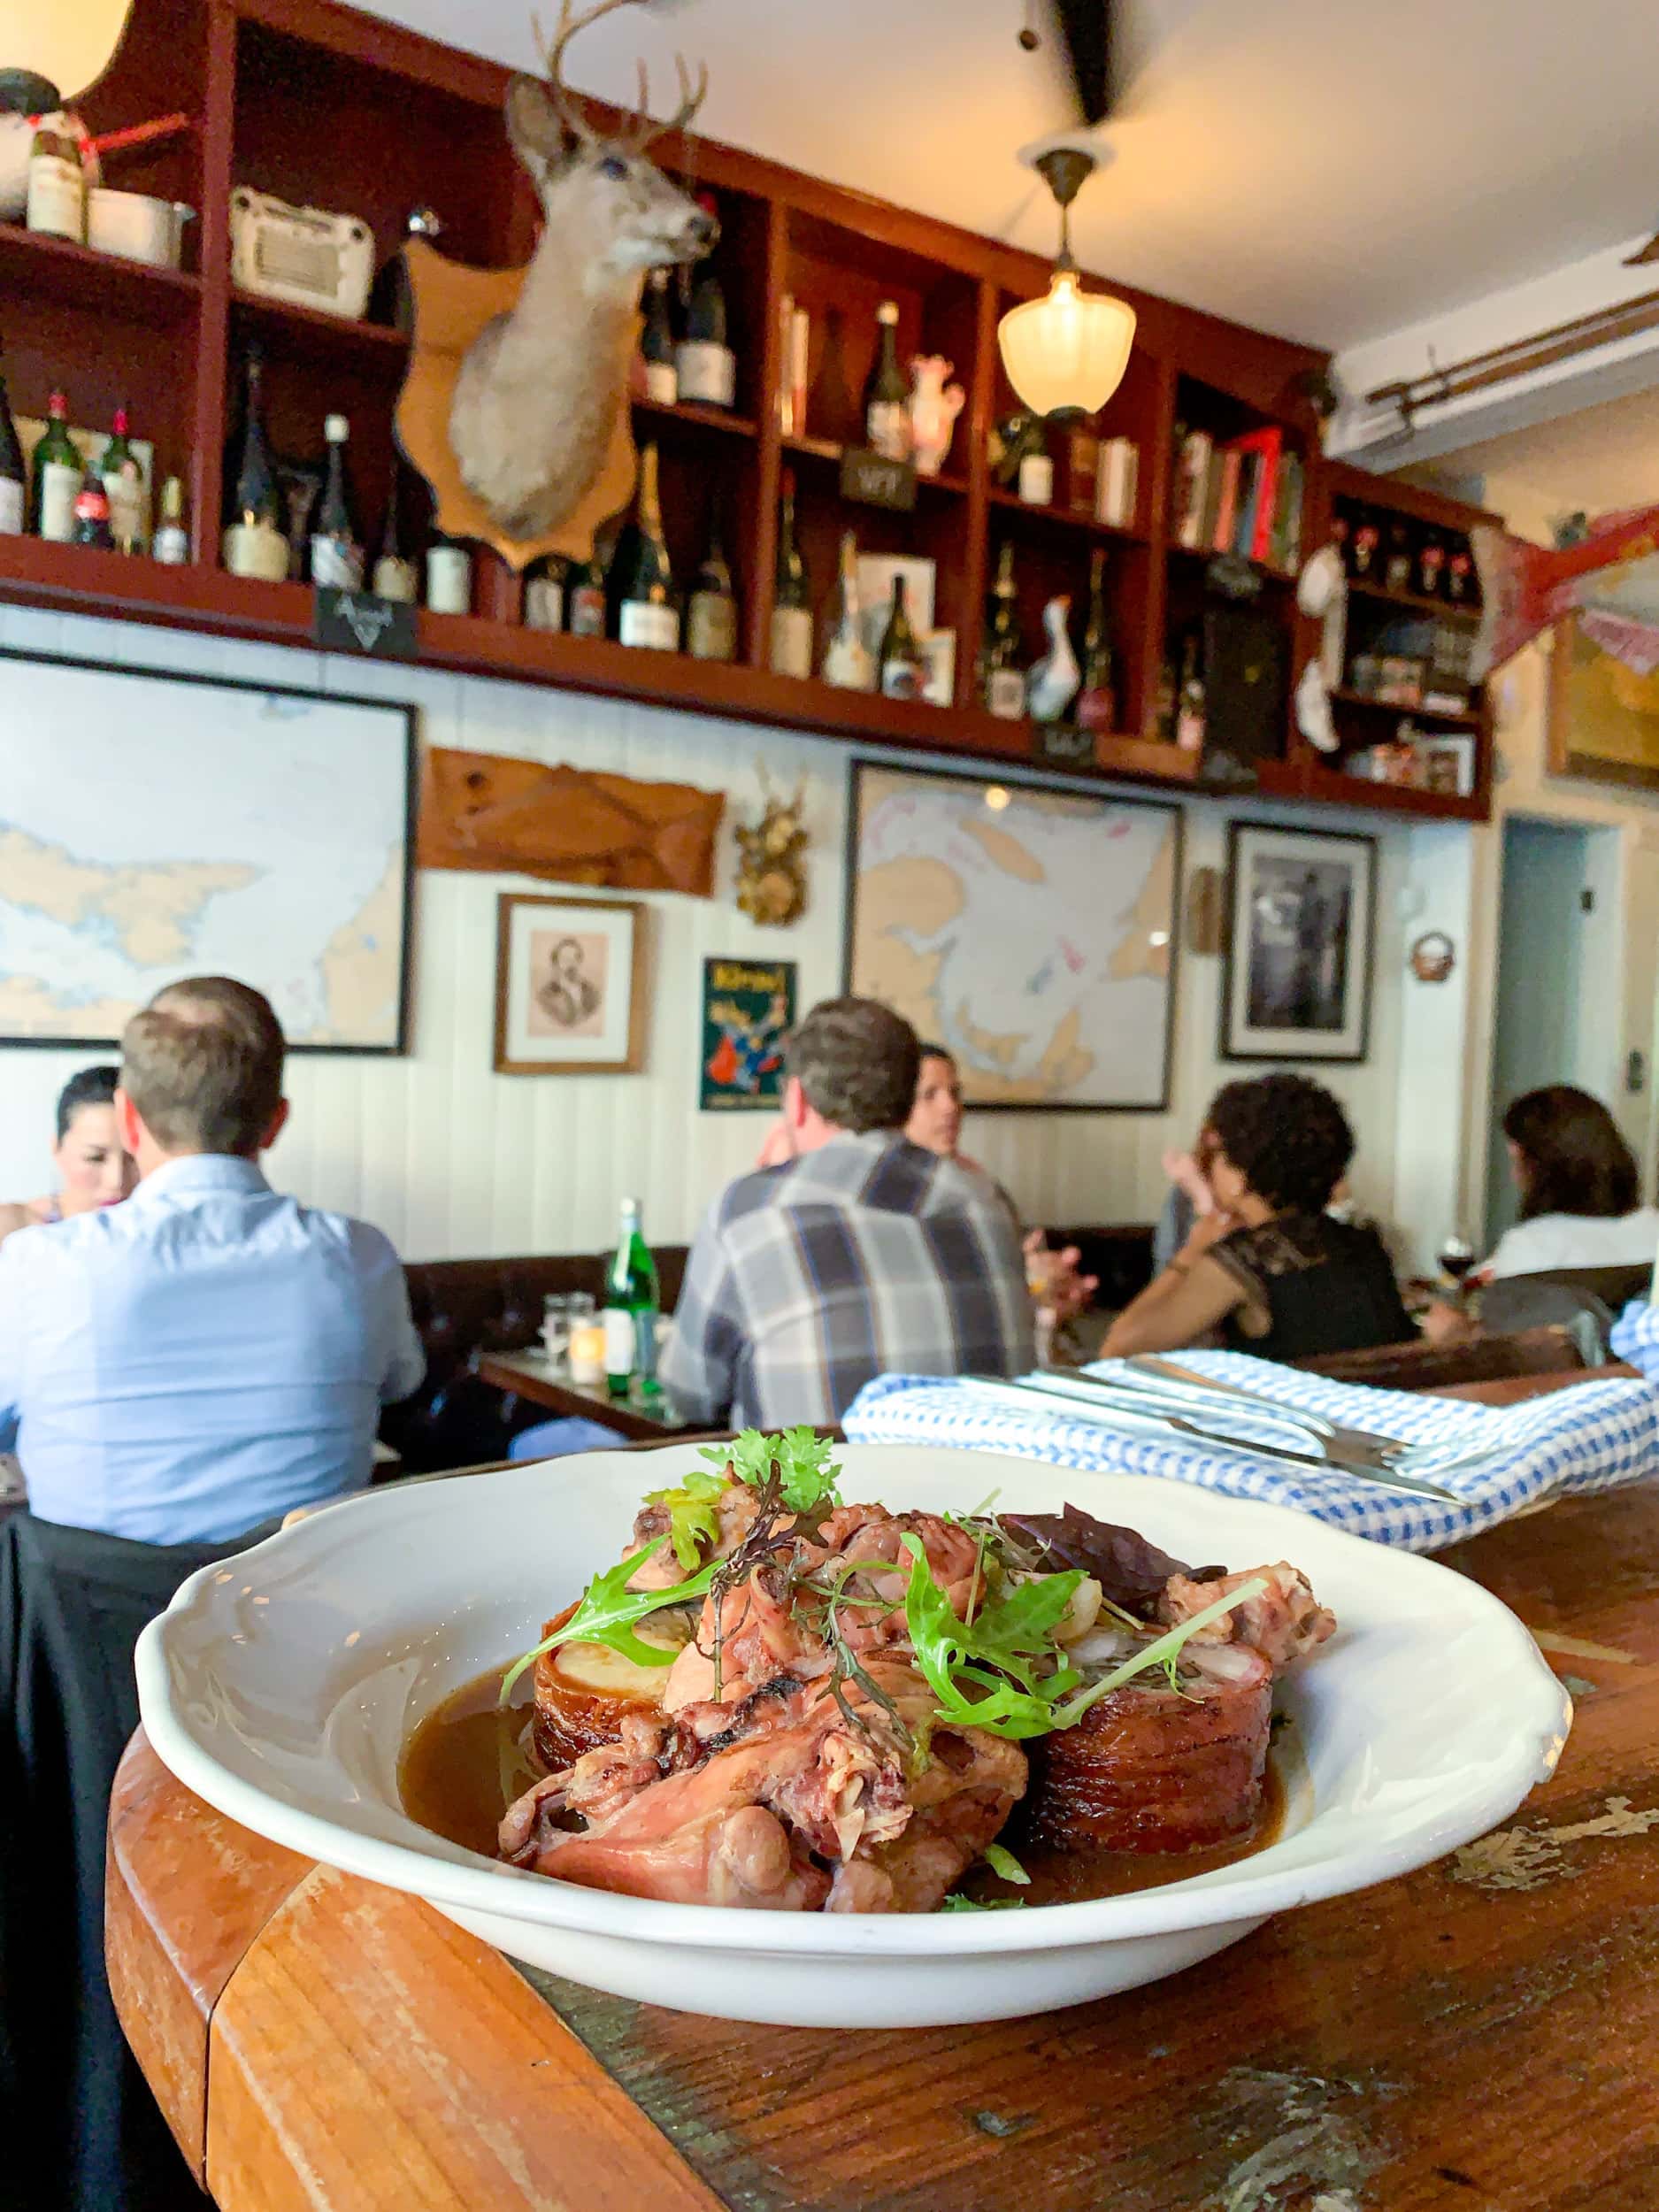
{"points": [[453, 1160]]}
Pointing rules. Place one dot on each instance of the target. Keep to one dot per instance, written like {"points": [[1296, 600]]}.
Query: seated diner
{"points": [[93, 1170]]}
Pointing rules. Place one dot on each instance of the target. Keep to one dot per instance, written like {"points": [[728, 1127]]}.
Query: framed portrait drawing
{"points": [[1603, 715], [1028, 928], [569, 986], [1296, 980]]}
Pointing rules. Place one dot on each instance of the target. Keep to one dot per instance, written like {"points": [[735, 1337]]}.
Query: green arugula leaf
{"points": [[1003, 1862], [1156, 1654], [609, 1611], [798, 1458], [983, 1904], [692, 1518]]}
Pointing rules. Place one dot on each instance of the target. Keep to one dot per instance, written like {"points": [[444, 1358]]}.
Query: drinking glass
{"points": [[556, 1328], [586, 1340], [1457, 1258]]}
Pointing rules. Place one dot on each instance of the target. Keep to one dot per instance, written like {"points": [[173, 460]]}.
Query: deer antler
{"points": [[553, 62], [691, 99]]}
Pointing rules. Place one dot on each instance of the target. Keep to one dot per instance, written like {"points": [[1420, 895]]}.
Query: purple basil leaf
{"points": [[1130, 1570]]}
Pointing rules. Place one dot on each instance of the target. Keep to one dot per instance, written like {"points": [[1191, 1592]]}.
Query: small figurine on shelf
{"points": [[934, 406], [1014, 440], [1052, 685]]}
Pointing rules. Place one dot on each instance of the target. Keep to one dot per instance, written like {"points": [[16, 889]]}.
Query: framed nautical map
{"points": [[154, 826], [1029, 930]]}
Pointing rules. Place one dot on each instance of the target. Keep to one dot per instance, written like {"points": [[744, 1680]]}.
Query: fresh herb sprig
{"points": [[1002, 1671], [693, 1519], [609, 1611], [799, 1457]]}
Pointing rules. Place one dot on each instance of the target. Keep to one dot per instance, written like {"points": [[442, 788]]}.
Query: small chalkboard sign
{"points": [[357, 622], [875, 481], [1062, 745]]}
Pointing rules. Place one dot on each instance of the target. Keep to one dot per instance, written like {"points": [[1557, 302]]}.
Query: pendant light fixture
{"points": [[1065, 354]]}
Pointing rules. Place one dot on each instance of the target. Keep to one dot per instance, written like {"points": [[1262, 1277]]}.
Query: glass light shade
{"points": [[1068, 349]]}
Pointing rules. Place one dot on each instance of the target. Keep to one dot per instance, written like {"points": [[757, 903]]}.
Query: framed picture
{"points": [[1603, 717], [1296, 982], [747, 1010], [1029, 929], [569, 986], [156, 826]]}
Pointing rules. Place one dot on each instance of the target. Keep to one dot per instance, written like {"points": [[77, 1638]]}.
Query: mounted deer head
{"points": [[537, 394]]}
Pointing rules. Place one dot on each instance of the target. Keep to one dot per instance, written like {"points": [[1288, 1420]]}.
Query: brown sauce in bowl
{"points": [[466, 1763]]}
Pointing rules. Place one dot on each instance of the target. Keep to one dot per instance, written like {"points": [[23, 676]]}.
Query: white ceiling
{"points": [[1330, 169], [1600, 459]]}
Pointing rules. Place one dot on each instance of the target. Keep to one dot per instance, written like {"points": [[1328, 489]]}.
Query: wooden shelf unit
{"points": [[330, 108]]}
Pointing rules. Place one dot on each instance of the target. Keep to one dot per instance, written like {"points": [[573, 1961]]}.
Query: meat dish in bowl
{"points": [[285, 1687]]}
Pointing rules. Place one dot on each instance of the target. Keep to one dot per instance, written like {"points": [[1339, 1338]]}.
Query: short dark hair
{"points": [[92, 1087], [1576, 1161], [927, 1050], [1287, 1136], [857, 1062], [203, 1065]]}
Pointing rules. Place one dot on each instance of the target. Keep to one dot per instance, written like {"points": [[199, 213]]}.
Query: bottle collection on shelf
{"points": [[75, 488], [1390, 552], [1240, 495]]}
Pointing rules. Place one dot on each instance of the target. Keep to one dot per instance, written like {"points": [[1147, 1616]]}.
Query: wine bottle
{"points": [[337, 549], [791, 653], [632, 1302], [585, 608], [544, 595], [1096, 707], [255, 541], [1189, 710], [657, 343], [57, 472], [394, 575], [640, 583], [92, 512], [1002, 676], [14, 476], [705, 364], [711, 613], [171, 545], [847, 664], [392, 301], [124, 487], [886, 395], [900, 669]]}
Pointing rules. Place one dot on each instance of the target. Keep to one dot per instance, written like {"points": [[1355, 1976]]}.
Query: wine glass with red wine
{"points": [[1457, 1258]]}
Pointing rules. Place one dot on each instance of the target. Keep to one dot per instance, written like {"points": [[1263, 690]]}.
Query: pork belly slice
{"points": [[1149, 1770], [1284, 1623]]}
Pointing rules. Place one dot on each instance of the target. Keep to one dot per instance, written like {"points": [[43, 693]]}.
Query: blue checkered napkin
{"points": [[1592, 1437], [1636, 1337]]}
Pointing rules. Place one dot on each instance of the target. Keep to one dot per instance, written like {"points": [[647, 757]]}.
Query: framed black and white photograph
{"points": [[1296, 983], [569, 986]]}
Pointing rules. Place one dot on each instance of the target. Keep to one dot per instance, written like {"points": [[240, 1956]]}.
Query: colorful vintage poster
{"points": [[747, 1010]]}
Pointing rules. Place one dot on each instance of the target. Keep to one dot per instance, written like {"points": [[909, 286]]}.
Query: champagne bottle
{"points": [[14, 476], [631, 1311], [92, 512], [1096, 707], [585, 608], [657, 343], [846, 660], [124, 487], [711, 615], [255, 541], [886, 395], [56, 476], [1002, 677], [899, 667], [395, 576], [171, 545], [642, 584], [791, 653], [703, 360], [337, 549]]}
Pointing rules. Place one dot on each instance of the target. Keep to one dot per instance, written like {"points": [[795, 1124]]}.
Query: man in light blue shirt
{"points": [[210, 1355]]}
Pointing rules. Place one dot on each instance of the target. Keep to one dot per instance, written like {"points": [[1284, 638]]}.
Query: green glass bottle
{"points": [[58, 473], [631, 1311]]}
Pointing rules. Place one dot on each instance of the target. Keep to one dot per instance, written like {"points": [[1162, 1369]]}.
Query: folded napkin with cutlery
{"points": [[1495, 1461]]}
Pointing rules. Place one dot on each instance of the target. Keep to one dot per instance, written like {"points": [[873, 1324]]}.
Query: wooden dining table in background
{"points": [[1476, 2037], [532, 1375]]}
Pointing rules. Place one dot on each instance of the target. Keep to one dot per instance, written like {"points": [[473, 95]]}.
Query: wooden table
{"points": [[1477, 2037], [530, 1374]]}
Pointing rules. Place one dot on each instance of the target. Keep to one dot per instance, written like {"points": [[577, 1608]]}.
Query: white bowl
{"points": [[283, 1686]]}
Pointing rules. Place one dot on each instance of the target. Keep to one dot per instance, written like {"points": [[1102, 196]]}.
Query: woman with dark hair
{"points": [[92, 1169], [1266, 1269], [1579, 1185]]}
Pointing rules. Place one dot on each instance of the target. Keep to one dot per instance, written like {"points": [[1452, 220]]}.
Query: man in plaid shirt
{"points": [[862, 1254]]}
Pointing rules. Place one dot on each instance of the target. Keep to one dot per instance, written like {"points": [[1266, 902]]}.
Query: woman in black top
{"points": [[1269, 1272]]}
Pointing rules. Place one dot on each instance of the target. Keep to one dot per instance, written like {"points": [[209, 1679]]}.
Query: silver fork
{"points": [[1369, 1443]]}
